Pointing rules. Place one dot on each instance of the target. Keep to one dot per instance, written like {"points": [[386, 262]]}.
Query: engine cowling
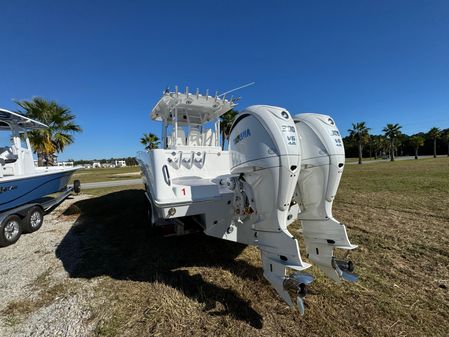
{"points": [[265, 159], [323, 159], [284, 169]]}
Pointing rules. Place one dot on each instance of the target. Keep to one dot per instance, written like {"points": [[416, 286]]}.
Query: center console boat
{"points": [[23, 186], [278, 169]]}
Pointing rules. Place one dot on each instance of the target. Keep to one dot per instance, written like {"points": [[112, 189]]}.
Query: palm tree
{"points": [[446, 139], [225, 125], [59, 134], [150, 141], [384, 145], [417, 142], [392, 131], [401, 141], [434, 134], [359, 133], [377, 143]]}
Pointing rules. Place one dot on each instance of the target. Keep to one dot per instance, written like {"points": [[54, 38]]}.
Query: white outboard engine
{"points": [[323, 158], [265, 159], [282, 169]]}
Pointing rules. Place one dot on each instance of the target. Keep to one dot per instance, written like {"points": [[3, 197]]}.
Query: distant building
{"points": [[108, 165], [120, 163], [65, 163], [87, 166], [96, 164]]}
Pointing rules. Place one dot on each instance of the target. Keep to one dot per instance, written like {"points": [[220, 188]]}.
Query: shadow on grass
{"points": [[110, 238]]}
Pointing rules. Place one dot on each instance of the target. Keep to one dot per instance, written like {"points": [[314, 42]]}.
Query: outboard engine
{"points": [[282, 169], [323, 158], [265, 165]]}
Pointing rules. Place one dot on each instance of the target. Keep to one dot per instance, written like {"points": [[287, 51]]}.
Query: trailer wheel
{"points": [[10, 230], [77, 186], [34, 219]]}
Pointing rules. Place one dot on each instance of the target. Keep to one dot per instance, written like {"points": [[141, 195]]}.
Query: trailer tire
{"points": [[77, 186], [33, 220], [10, 230]]}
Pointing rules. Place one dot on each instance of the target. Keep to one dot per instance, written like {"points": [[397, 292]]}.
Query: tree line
{"points": [[392, 142], [130, 161], [62, 128], [359, 143]]}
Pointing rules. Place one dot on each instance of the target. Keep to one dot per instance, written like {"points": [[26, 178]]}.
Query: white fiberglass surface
{"points": [[183, 175], [39, 171]]}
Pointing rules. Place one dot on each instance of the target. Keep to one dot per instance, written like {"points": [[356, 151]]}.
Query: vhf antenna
{"points": [[238, 88]]}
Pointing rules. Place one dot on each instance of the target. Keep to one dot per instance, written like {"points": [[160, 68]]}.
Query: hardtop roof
{"points": [[191, 108], [10, 120]]}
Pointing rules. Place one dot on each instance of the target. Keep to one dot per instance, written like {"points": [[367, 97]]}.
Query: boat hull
{"points": [[23, 190]]}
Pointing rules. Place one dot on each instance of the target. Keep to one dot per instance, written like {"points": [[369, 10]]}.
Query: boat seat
{"points": [[7, 156], [195, 137], [208, 137]]}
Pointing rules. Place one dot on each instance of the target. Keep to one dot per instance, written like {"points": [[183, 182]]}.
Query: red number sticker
{"points": [[184, 191]]}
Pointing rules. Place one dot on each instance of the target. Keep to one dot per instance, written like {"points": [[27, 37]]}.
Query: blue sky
{"points": [[374, 61]]}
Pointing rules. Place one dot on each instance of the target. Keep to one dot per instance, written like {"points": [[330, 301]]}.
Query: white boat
{"points": [[279, 168], [22, 184]]}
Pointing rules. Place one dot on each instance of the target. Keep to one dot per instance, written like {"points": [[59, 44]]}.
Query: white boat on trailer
{"points": [[278, 168], [25, 188]]}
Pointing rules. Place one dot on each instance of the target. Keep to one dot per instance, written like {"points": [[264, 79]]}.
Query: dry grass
{"points": [[196, 285], [107, 190], [106, 174]]}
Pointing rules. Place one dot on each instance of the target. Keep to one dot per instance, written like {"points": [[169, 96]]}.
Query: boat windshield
{"points": [[5, 139]]}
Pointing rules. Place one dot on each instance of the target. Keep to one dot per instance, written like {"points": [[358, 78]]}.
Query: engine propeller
{"points": [[296, 285]]}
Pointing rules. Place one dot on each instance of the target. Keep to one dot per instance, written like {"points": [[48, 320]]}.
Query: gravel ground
{"points": [[35, 290]]}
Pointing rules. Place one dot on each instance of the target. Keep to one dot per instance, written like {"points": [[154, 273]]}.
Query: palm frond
{"points": [[60, 121]]}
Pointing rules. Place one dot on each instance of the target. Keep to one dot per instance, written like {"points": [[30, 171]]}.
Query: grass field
{"points": [[398, 214], [106, 174]]}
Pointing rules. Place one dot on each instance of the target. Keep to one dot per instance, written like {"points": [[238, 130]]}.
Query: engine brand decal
{"points": [[288, 128], [242, 135], [7, 188]]}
